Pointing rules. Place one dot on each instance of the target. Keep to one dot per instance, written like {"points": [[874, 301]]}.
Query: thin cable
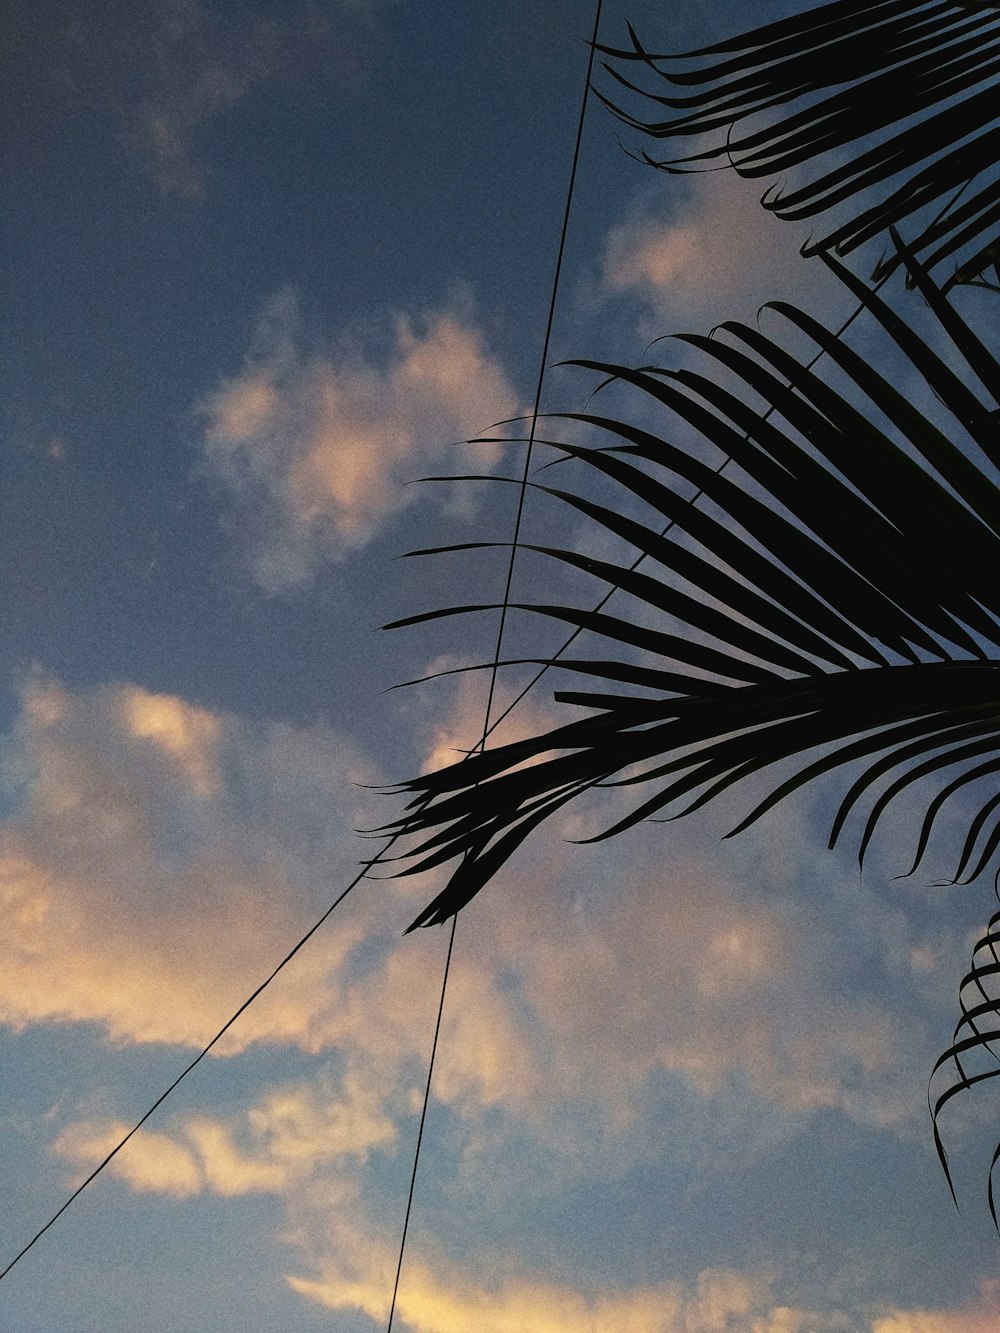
{"points": [[505, 604], [599, 605], [197, 1060], [543, 361], [423, 1120], [337, 901]]}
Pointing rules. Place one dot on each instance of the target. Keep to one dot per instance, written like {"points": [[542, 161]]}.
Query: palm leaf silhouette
{"points": [[844, 611], [834, 604], [890, 107], [844, 595]]}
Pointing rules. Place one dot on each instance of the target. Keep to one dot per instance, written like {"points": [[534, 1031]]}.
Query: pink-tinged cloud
{"points": [[142, 893], [691, 265], [160, 856], [314, 447]]}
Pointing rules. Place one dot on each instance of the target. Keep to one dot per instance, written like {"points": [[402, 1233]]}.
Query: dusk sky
{"points": [[265, 265]]}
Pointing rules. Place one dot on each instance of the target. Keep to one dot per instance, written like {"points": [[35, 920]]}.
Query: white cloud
{"points": [[314, 447], [292, 1133]]}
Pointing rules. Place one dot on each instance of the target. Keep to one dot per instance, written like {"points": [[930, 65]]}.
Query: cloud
{"points": [[313, 447], [981, 1315], [163, 847], [154, 1163], [688, 262], [439, 1298], [158, 858], [289, 1135], [174, 71], [164, 133], [449, 735], [295, 1143], [657, 955]]}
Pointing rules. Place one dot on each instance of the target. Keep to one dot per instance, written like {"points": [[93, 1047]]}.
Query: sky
{"points": [[266, 264]]}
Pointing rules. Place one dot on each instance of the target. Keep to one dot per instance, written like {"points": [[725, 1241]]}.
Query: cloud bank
{"points": [[153, 854]]}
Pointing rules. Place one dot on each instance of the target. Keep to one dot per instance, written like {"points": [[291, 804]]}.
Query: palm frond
{"points": [[890, 107], [972, 1058], [841, 605], [836, 600]]}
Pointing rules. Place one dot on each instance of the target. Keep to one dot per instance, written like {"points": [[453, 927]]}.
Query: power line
{"points": [[196, 1061], [423, 1119], [367, 865], [505, 605]]}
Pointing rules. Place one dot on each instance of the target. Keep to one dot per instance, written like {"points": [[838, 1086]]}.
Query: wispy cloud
{"points": [[437, 1299], [314, 444], [294, 1132], [200, 63], [171, 73]]}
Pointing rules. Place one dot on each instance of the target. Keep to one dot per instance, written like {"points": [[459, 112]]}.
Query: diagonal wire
{"points": [[543, 361], [505, 604], [603, 601], [423, 1121], [693, 499], [196, 1061]]}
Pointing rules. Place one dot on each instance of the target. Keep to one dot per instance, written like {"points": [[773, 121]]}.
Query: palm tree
{"points": [[839, 596]]}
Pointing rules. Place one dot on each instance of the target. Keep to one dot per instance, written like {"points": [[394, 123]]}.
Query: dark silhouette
{"points": [[841, 590]]}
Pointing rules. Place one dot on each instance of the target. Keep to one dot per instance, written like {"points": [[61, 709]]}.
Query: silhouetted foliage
{"points": [[839, 594]]}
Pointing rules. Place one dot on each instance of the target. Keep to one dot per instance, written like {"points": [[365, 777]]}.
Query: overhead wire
{"points": [[504, 606], [193, 1064], [693, 499]]}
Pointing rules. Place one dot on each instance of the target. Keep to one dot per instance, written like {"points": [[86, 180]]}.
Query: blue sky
{"points": [[265, 265]]}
